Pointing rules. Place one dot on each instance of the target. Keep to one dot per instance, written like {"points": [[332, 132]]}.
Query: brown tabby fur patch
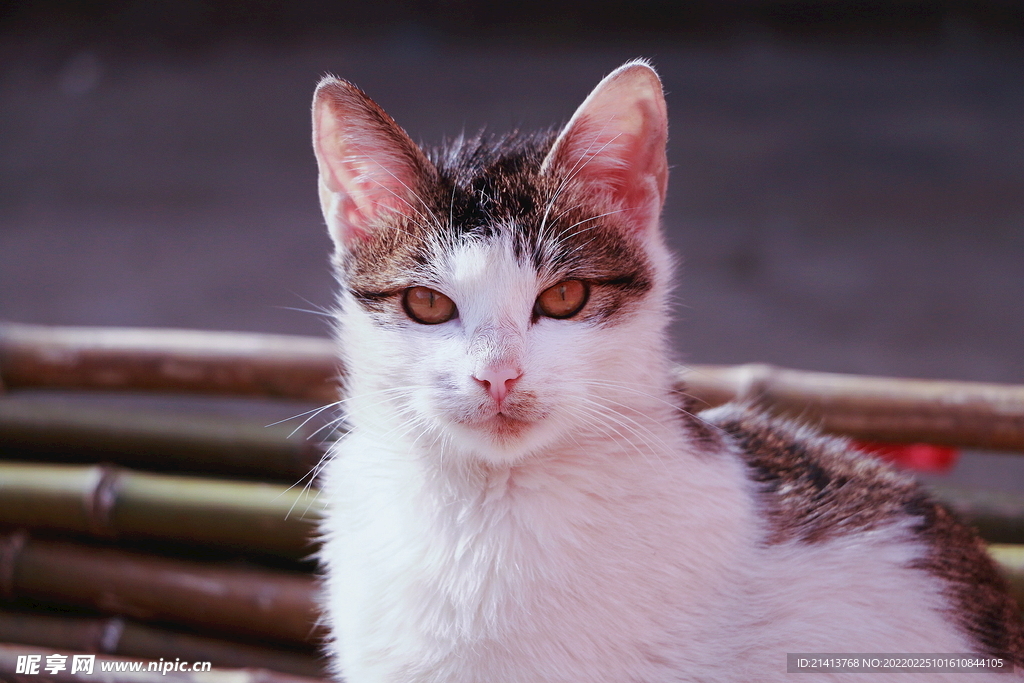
{"points": [[815, 488], [983, 609]]}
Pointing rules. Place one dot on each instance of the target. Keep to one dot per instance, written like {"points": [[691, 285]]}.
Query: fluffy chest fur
{"points": [[532, 571], [521, 497]]}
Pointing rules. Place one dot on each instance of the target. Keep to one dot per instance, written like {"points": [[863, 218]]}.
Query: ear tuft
{"points": [[614, 145], [368, 164]]}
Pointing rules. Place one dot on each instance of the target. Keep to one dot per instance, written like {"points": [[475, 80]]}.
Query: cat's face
{"points": [[498, 295]]}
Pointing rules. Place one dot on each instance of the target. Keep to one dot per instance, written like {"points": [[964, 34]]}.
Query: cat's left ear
{"points": [[614, 145], [368, 165]]}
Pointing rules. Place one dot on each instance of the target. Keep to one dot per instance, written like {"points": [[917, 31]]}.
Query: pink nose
{"points": [[498, 380]]}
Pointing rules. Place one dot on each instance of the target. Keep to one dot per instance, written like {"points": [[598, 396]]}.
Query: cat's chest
{"points": [[577, 559]]}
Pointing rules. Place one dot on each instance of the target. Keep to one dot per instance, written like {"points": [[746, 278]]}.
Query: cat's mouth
{"points": [[507, 422], [505, 426]]}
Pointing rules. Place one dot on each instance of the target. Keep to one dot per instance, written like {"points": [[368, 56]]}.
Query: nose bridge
{"points": [[498, 286], [496, 344]]}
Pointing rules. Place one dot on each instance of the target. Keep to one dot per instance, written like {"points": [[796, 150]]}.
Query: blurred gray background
{"points": [[847, 191]]}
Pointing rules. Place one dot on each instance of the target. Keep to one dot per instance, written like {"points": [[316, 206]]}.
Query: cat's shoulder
{"points": [[814, 488]]}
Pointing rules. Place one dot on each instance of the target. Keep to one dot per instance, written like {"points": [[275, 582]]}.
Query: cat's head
{"points": [[499, 295]]}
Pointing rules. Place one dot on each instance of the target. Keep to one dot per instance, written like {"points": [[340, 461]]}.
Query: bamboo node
{"points": [[10, 550], [753, 381], [100, 501]]}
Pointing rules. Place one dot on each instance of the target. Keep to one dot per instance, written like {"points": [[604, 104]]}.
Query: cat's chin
{"points": [[502, 439]]}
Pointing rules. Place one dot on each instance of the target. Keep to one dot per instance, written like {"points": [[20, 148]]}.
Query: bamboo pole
{"points": [[970, 414], [167, 441], [117, 636], [109, 501], [9, 654], [244, 601], [137, 359]]}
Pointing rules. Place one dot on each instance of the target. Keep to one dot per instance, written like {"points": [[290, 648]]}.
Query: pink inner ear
{"points": [[626, 165], [369, 179], [615, 144], [368, 165]]}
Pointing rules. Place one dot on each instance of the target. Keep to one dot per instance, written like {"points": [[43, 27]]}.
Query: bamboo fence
{"points": [[154, 486]]}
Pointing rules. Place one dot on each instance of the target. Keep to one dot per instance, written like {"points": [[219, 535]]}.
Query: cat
{"points": [[524, 496]]}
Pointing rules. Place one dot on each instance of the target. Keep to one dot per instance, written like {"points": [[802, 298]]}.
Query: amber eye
{"points": [[428, 306], [563, 300]]}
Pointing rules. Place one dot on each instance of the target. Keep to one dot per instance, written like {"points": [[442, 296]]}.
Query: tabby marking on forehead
{"points": [[492, 188]]}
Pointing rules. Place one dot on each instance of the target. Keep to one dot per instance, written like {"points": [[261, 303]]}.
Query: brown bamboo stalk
{"points": [[137, 359], [9, 654], [117, 636], [243, 601], [969, 414], [169, 441], [109, 501]]}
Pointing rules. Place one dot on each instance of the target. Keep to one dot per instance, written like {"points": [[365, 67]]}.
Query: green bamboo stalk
{"points": [[968, 414], [9, 654], [109, 501], [117, 636], [277, 606], [35, 429]]}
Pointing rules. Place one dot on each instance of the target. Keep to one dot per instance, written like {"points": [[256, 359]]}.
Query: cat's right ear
{"points": [[614, 145], [368, 165]]}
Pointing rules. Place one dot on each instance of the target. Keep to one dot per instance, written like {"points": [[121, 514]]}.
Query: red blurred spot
{"points": [[923, 457]]}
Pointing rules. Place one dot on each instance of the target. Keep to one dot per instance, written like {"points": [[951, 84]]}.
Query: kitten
{"points": [[523, 497]]}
